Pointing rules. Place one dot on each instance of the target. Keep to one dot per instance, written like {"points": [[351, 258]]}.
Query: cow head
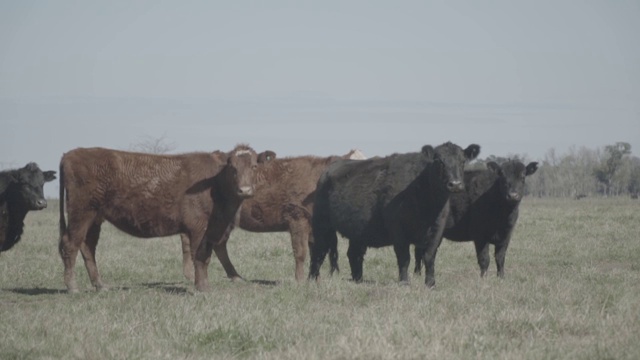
{"points": [[511, 177], [448, 162], [239, 173], [26, 186]]}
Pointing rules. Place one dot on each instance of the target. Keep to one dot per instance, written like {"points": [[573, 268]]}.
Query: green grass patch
{"points": [[570, 291]]}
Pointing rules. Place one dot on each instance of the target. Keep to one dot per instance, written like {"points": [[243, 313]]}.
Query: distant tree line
{"points": [[582, 172]]}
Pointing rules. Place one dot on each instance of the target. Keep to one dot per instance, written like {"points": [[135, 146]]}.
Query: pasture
{"points": [[571, 291]]}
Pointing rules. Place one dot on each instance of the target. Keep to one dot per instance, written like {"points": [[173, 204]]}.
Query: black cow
{"points": [[398, 200], [487, 211], [21, 191]]}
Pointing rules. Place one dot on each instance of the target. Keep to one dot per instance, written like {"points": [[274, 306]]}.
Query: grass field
{"points": [[571, 291]]}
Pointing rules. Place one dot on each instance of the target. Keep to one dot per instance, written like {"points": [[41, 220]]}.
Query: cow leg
{"points": [[403, 255], [223, 256], [332, 249], [71, 240], [68, 253], [429, 257], [187, 258], [88, 250], [333, 255], [482, 253], [356, 253], [300, 244], [418, 255], [215, 239], [432, 242], [322, 241], [201, 261], [220, 248], [500, 254]]}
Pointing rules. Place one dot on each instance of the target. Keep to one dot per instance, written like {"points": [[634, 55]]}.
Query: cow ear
{"points": [[532, 168], [49, 175], [31, 166], [427, 150], [265, 157], [472, 151], [493, 166], [270, 155]]}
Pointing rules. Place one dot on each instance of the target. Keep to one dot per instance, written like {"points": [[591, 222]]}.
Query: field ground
{"points": [[571, 291]]}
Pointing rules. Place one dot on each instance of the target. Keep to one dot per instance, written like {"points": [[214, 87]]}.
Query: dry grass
{"points": [[571, 291]]}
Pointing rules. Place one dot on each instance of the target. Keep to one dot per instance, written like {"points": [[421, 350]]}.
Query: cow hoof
{"points": [[404, 283], [73, 291], [102, 288], [237, 278]]}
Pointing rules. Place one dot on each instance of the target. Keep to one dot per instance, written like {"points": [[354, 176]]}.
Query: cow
{"points": [[21, 191], [397, 200], [283, 202], [147, 195], [487, 211]]}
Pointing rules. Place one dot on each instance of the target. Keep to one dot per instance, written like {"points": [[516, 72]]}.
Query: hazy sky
{"points": [[321, 77]]}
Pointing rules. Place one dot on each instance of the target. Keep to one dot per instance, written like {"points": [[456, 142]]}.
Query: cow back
{"points": [[359, 190]]}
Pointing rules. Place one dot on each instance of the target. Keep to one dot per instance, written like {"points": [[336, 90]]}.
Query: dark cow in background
{"points": [[398, 200], [148, 195], [283, 202], [21, 191], [487, 211]]}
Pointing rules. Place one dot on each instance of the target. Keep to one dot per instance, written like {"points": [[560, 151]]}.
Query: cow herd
{"points": [[401, 199]]}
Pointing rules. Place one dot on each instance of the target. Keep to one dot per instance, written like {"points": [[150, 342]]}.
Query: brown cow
{"points": [[148, 195], [283, 202]]}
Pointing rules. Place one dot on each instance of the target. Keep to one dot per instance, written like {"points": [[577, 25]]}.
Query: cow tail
{"points": [[322, 230]]}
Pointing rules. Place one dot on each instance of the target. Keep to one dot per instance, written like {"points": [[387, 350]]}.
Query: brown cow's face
{"points": [[449, 161], [240, 171]]}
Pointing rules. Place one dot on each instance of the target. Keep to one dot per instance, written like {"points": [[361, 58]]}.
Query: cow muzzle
{"points": [[455, 186], [245, 191], [40, 204], [514, 196]]}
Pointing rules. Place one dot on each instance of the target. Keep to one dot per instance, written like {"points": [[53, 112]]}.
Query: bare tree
{"points": [[152, 145]]}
